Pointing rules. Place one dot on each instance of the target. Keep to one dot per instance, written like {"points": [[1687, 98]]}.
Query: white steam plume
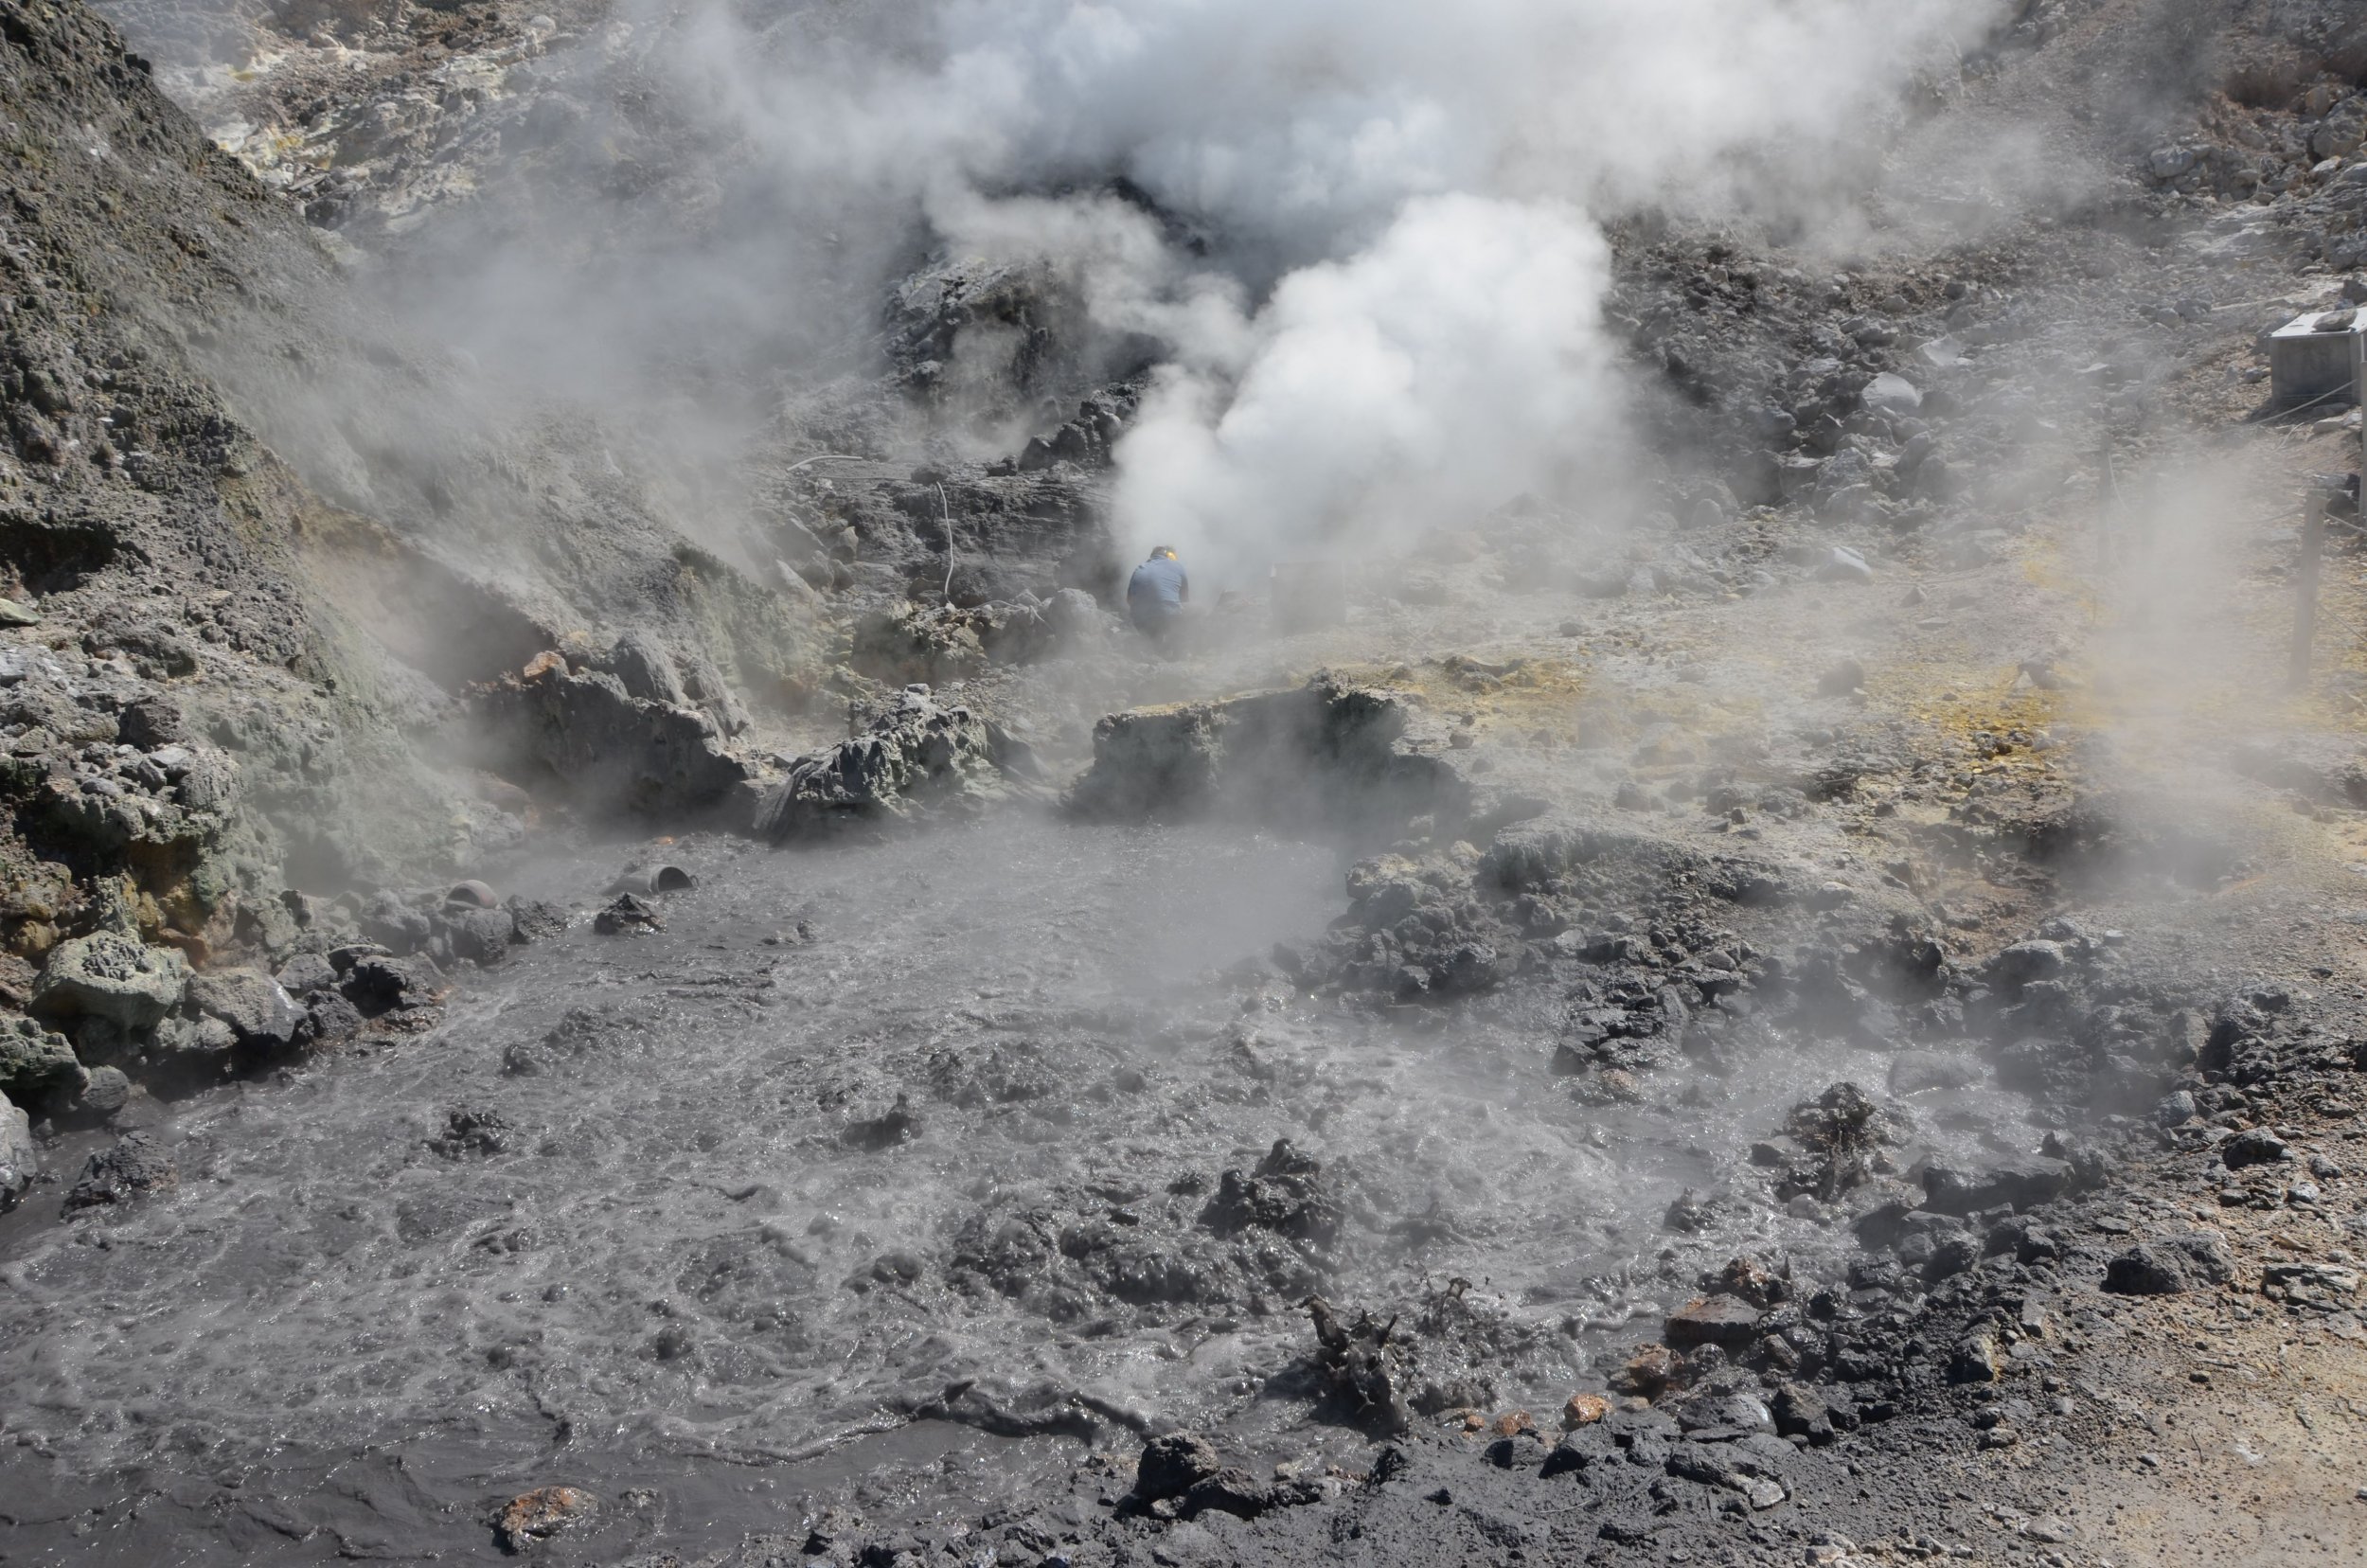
{"points": [[1370, 249]]}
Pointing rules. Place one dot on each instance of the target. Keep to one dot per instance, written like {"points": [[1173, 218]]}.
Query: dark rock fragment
{"points": [[1801, 1411], [1725, 1320], [2023, 1184], [380, 985], [2169, 1265], [534, 921], [329, 1017], [2255, 1145], [306, 972], [477, 935], [1580, 1448], [1284, 1195], [1231, 1490], [149, 722], [472, 1129], [136, 1167], [1172, 1465], [631, 915], [1360, 1365]]}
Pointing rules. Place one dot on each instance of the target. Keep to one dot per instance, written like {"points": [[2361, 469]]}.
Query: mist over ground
{"points": [[1727, 931]]}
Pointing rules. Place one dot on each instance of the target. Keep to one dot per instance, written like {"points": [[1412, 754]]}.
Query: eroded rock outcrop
{"points": [[916, 757], [1328, 754]]}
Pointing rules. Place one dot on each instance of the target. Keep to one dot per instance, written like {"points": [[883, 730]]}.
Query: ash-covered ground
{"points": [[615, 952]]}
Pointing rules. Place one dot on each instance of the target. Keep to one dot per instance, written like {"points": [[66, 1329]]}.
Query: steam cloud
{"points": [[1369, 254]]}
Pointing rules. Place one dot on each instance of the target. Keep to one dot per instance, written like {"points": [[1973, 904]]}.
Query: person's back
{"points": [[1157, 592]]}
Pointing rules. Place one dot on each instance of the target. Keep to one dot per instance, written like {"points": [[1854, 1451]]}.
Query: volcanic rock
{"points": [[20, 1158], [918, 757], [113, 976], [259, 1011]]}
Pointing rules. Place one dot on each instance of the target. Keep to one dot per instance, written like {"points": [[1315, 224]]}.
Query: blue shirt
{"points": [[1158, 584]]}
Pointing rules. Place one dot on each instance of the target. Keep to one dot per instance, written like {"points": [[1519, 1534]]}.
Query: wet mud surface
{"points": [[956, 1150]]}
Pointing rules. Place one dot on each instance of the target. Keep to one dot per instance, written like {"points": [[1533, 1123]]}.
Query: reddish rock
{"points": [[1583, 1410]]}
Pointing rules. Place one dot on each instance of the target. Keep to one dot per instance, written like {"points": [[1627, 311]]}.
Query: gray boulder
{"points": [[1891, 393], [642, 665], [34, 1059], [2024, 962], [606, 745], [480, 936], [304, 973], [1073, 616], [20, 1160], [383, 983], [111, 975], [257, 1009], [1172, 1465], [2023, 1184]]}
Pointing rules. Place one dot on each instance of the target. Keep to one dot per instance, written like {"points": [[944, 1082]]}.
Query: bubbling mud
{"points": [[862, 1126]]}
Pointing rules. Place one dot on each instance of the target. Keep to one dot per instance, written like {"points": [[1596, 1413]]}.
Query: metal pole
{"points": [[2305, 586]]}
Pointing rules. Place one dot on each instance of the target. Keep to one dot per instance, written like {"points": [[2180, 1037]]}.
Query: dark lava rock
{"points": [[629, 914], [1362, 1366], [2024, 962], [1579, 1450], [535, 921], [382, 985], [1714, 1319], [2023, 1184], [102, 1092], [1230, 1490], [136, 1167], [114, 975], [1801, 1411], [1284, 1195], [472, 1129], [1688, 1215], [1172, 1465], [2258, 1145], [327, 1016], [2171, 1264], [2324, 1287], [387, 920], [917, 756], [304, 973], [893, 1126], [149, 722], [1724, 1410], [479, 936]]}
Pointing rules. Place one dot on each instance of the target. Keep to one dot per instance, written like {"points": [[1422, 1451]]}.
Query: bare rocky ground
{"points": [[1950, 720]]}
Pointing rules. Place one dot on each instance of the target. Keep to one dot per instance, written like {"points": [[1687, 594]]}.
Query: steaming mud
{"points": [[859, 1125]]}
